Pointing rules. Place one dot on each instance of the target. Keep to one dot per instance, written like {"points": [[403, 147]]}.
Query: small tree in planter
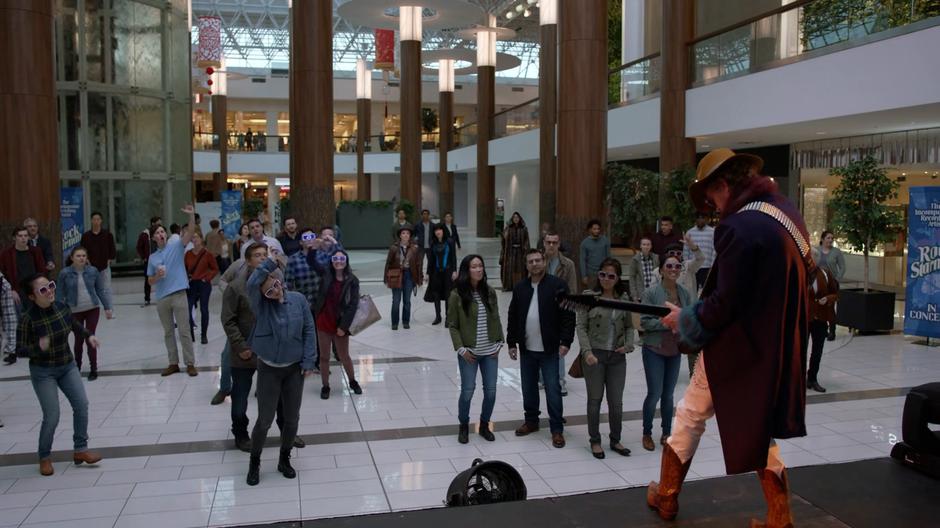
{"points": [[633, 200], [859, 212]]}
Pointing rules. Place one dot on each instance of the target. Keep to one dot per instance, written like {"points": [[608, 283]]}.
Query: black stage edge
{"points": [[868, 493]]}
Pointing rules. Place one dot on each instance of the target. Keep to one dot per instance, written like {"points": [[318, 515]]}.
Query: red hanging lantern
{"points": [[210, 70], [209, 82]]}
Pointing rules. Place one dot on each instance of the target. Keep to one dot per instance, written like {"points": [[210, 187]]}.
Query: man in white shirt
{"points": [[704, 237], [544, 331], [256, 230]]}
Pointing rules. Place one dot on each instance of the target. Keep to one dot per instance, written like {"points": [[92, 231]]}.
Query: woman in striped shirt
{"points": [[477, 334]]}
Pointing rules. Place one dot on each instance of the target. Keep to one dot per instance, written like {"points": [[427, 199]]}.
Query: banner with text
{"points": [[73, 218], [923, 263], [231, 217]]}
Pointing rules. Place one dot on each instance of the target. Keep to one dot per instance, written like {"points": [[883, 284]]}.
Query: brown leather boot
{"points": [[664, 495], [87, 457], [777, 493], [45, 467]]}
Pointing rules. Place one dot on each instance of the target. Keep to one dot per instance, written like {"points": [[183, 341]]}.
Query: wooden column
{"points": [[486, 174], [446, 126], [363, 118], [582, 115], [29, 157], [548, 117], [311, 113], [675, 149], [219, 127], [411, 122]]}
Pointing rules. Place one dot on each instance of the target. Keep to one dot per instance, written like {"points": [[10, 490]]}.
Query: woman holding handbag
{"points": [[661, 359], [202, 268], [442, 269], [477, 334], [403, 274], [336, 304], [606, 336]]}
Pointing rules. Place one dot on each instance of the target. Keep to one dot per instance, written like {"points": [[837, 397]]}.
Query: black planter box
{"points": [[366, 226], [866, 312]]}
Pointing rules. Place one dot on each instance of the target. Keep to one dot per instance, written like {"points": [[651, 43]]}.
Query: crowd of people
{"points": [[289, 304]]}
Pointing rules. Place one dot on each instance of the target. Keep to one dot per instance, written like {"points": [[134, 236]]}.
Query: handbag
{"points": [[366, 315], [576, 370], [393, 278]]}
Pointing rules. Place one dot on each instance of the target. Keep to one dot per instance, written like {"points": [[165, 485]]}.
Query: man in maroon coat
{"points": [[752, 326]]}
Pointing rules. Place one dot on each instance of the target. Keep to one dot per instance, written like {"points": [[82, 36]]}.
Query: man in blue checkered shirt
{"points": [[300, 276]]}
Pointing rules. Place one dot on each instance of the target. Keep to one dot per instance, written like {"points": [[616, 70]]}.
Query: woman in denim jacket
{"points": [[82, 289], [605, 336], [661, 359], [285, 341]]}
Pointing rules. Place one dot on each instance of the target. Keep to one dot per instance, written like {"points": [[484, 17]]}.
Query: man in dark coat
{"points": [[752, 326]]}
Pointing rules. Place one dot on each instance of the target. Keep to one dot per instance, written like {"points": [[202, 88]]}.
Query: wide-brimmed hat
{"points": [[709, 166], [408, 228]]}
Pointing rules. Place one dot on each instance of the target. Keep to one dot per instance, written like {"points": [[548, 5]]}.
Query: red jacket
{"points": [[8, 264], [826, 287], [143, 245]]}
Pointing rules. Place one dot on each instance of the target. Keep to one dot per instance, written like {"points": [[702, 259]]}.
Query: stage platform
{"points": [[868, 493]]}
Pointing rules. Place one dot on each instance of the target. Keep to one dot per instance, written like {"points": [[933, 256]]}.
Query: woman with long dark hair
{"points": [[244, 236], [606, 337], [477, 334], [336, 303], [512, 255], [442, 269]]}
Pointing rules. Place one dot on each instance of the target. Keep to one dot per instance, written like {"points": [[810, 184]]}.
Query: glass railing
{"points": [[516, 119], [634, 80], [205, 141], [242, 142], [796, 29], [465, 136]]}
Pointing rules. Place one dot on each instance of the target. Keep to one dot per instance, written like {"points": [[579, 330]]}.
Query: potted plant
{"points": [[428, 124], [365, 223], [633, 201], [861, 217]]}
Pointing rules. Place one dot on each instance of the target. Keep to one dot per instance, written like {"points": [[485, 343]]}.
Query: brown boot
{"points": [[664, 495], [87, 457], [45, 467], [777, 493]]}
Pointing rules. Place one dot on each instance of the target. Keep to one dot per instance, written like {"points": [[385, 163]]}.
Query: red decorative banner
{"points": [[210, 42], [384, 49]]}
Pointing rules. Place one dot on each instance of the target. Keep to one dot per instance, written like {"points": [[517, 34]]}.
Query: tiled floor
{"points": [[196, 486]]}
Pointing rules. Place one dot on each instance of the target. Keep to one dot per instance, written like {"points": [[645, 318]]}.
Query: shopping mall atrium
{"points": [[137, 130]]}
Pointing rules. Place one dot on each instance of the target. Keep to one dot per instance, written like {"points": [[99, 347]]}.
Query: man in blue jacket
{"points": [[285, 340]]}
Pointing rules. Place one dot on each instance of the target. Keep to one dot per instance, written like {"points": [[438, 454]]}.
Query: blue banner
{"points": [[922, 317], [231, 213], [73, 218]]}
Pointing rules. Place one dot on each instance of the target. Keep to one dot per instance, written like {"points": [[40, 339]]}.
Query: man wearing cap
{"points": [[751, 325]]}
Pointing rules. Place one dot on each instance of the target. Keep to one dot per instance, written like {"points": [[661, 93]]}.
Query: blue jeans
{"points": [[241, 390], [46, 382], [199, 292], [530, 364], [489, 371], [662, 372], [404, 292], [225, 369]]}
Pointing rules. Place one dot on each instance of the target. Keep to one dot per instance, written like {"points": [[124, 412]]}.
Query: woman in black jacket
{"points": [[442, 269], [336, 305]]}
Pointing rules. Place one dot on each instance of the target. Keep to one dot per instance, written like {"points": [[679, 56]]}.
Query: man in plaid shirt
{"points": [[300, 276], [8, 317]]}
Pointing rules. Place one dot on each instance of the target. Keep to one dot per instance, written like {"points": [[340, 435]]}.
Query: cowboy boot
{"points": [[777, 493], [664, 495]]}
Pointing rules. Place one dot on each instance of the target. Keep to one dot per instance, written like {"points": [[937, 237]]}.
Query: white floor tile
{"points": [[256, 513], [65, 512], [170, 517], [346, 505], [88, 495]]}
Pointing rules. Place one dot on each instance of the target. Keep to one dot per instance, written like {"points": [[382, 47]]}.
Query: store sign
{"points": [[231, 217], [73, 218], [922, 306]]}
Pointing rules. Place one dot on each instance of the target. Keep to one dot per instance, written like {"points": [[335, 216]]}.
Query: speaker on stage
{"points": [[921, 446], [486, 483]]}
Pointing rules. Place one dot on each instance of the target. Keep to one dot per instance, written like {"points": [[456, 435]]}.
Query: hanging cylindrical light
{"points": [[363, 80], [409, 22], [486, 44], [548, 12], [445, 80]]}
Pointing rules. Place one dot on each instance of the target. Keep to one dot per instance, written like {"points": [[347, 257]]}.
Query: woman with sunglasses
{"points": [[661, 347], [336, 303], [43, 336], [442, 269], [606, 336], [83, 291], [477, 334], [284, 340]]}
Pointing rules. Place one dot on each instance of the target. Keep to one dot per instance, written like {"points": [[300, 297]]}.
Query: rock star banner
{"points": [[231, 218], [72, 215], [922, 306]]}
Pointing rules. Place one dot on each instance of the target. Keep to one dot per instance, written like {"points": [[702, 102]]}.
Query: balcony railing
{"points": [[635, 80], [205, 141], [796, 29], [465, 135], [516, 119]]}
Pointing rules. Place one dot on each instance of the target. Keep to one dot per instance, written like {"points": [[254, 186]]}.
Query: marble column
{"points": [[411, 122], [446, 125], [363, 117], [219, 127], [548, 117], [311, 113], [675, 149], [486, 173]]}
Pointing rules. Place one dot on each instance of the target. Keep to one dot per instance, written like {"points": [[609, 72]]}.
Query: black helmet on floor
{"points": [[486, 483]]}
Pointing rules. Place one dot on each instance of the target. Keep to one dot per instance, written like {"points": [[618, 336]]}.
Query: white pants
{"points": [[693, 410]]}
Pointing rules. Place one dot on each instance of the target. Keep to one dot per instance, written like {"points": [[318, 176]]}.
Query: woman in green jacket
{"points": [[473, 320], [661, 358], [606, 336]]}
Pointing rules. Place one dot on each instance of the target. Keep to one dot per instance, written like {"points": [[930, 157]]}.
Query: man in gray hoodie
{"points": [[594, 249]]}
